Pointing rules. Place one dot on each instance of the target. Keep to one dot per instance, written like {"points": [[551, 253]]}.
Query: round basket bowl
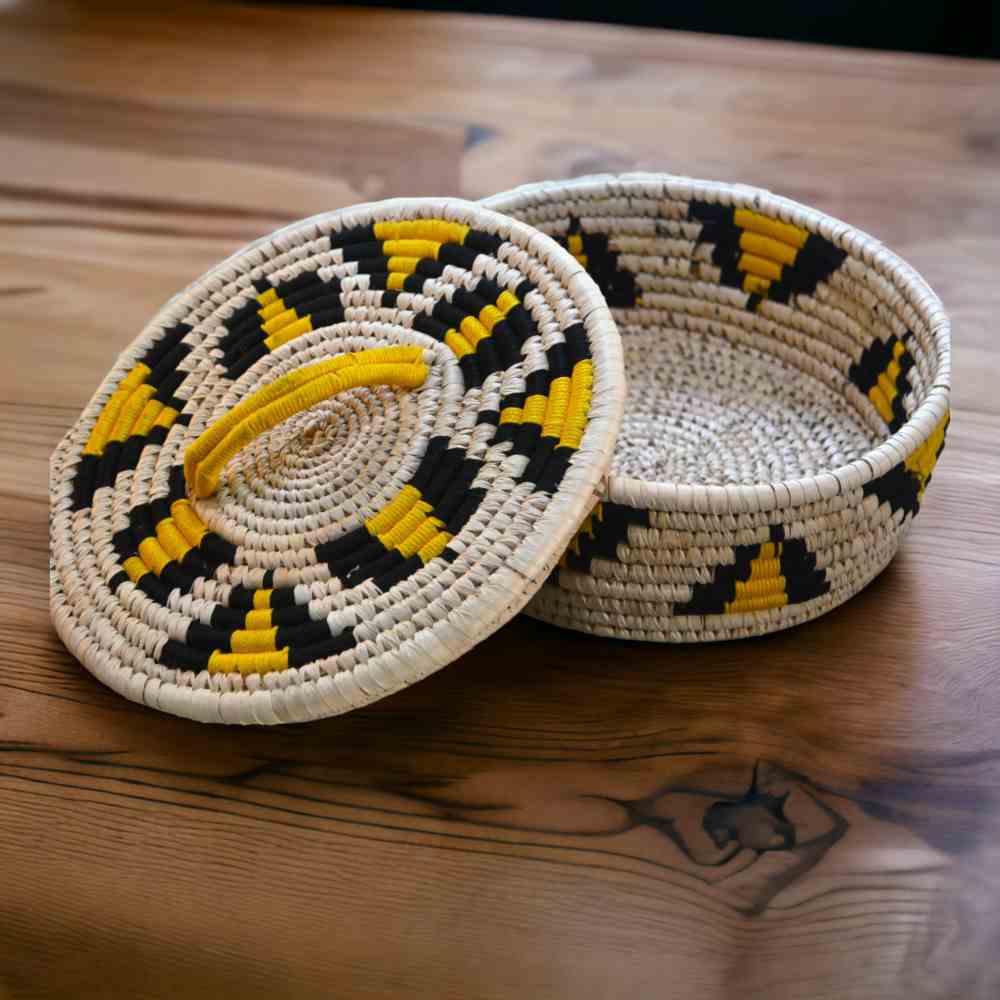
{"points": [[334, 464], [788, 397]]}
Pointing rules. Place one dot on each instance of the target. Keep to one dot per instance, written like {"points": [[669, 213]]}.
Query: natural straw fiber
{"points": [[334, 464], [788, 397]]}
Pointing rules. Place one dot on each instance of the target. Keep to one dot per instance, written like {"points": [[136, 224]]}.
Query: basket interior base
{"points": [[703, 409]]}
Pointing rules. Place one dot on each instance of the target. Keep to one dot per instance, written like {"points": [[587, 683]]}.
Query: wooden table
{"points": [[531, 821]]}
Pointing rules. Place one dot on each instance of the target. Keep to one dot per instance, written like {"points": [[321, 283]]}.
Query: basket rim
{"points": [[502, 594], [739, 498]]}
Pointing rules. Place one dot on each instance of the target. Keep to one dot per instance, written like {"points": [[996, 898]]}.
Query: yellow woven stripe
{"points": [[436, 230], [506, 302], [745, 605], [396, 509], [473, 330], [458, 343], [108, 416], [274, 308], [135, 377], [534, 409], [254, 641], [403, 265], [763, 587], [489, 316], [555, 410], [382, 356], [282, 387], [166, 418], [753, 285], [248, 663], [587, 528], [921, 463], [406, 525], [395, 281], [171, 540], [283, 319], [128, 415], [885, 389], [783, 231], [135, 568], [578, 407], [882, 399], [290, 332], [148, 417], [764, 246], [421, 537], [434, 547], [575, 244], [760, 266], [258, 619], [768, 551], [266, 298], [191, 526], [153, 555], [510, 415], [892, 369], [261, 599], [765, 569], [297, 391], [411, 248]]}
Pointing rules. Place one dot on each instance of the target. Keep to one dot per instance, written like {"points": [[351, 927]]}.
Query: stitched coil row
{"points": [[788, 398]]}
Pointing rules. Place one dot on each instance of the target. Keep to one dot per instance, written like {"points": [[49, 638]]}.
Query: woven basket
{"points": [[334, 464], [788, 397]]}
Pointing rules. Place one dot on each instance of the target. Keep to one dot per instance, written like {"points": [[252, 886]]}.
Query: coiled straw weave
{"points": [[334, 464], [788, 397]]}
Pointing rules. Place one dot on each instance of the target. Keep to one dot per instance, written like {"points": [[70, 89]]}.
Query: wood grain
{"points": [[812, 814]]}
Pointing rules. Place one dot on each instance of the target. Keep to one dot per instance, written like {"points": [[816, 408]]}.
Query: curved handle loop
{"points": [[205, 459]]}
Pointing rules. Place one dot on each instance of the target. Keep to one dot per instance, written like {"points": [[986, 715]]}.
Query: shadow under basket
{"points": [[788, 398]]}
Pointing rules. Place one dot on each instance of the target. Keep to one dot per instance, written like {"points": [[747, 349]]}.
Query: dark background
{"points": [[962, 28]]}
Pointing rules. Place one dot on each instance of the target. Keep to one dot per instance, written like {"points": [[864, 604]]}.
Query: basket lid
{"points": [[334, 464]]}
